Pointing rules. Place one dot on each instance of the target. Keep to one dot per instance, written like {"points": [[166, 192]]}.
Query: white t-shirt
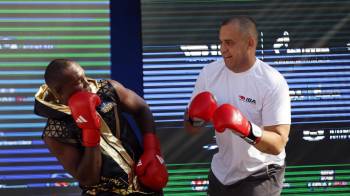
{"points": [[262, 95]]}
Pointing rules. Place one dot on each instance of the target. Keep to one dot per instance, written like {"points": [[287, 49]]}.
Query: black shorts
{"points": [[265, 182]]}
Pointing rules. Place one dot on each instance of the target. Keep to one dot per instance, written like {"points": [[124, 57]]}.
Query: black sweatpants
{"points": [[265, 182]]}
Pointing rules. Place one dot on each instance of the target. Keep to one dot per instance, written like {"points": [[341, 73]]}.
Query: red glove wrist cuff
{"points": [[150, 141], [255, 134], [91, 137]]}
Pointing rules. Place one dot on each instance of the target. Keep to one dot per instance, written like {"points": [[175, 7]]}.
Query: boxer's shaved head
{"points": [[64, 77], [247, 25], [54, 72]]}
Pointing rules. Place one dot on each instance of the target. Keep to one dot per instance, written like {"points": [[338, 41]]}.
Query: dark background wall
{"points": [[126, 44]]}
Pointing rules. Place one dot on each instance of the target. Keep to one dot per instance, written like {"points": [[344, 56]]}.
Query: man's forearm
{"points": [[272, 143], [191, 129], [144, 120], [88, 171]]}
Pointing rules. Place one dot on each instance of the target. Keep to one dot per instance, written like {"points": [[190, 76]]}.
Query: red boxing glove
{"points": [[83, 108], [228, 117], [151, 169], [201, 109]]}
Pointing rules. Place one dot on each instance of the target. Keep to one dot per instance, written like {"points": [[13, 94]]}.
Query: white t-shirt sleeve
{"points": [[276, 107], [200, 84]]}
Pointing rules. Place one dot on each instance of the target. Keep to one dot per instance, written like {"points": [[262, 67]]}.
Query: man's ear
{"points": [[54, 94], [251, 42]]}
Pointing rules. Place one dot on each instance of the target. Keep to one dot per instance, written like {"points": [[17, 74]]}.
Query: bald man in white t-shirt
{"points": [[250, 113]]}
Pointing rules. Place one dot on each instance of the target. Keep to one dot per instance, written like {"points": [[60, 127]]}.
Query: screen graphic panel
{"points": [[306, 41], [32, 33]]}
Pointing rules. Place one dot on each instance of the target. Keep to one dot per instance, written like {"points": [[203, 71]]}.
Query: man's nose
{"points": [[223, 48]]}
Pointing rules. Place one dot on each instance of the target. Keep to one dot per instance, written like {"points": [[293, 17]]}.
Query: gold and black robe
{"points": [[119, 145]]}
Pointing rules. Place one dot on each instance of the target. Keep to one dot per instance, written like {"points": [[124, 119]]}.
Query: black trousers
{"points": [[133, 194], [265, 182]]}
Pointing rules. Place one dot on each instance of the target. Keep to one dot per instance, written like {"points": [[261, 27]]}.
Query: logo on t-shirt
{"points": [[247, 99]]}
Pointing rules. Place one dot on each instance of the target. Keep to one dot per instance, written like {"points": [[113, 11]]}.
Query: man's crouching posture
{"points": [[88, 134]]}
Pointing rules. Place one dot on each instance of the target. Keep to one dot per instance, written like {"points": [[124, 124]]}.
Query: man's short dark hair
{"points": [[54, 70], [247, 25]]}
